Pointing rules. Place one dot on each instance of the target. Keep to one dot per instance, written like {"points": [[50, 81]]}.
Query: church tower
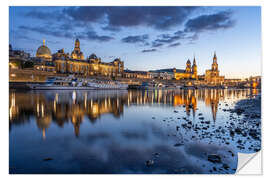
{"points": [[215, 64], [76, 53], [194, 69], [77, 45], [188, 66]]}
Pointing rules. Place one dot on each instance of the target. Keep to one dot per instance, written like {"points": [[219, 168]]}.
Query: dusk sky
{"points": [[147, 38]]}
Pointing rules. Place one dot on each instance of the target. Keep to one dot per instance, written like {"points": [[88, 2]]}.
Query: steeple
{"points": [[188, 66], [43, 42], [194, 69], [215, 64], [188, 62], [215, 58], [194, 60], [77, 44]]}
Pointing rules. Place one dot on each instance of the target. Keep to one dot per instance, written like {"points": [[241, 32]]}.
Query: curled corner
{"points": [[249, 163]]}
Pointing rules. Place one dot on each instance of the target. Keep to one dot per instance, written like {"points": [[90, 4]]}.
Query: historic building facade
{"points": [[212, 76], [137, 74], [75, 63], [189, 73], [43, 61]]}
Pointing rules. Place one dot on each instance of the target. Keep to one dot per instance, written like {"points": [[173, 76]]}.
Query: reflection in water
{"points": [[60, 108], [118, 131]]}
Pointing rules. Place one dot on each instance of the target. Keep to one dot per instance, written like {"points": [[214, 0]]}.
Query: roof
{"points": [[43, 51], [170, 70], [138, 72]]}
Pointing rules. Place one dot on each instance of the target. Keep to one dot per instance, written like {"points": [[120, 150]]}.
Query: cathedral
{"points": [[212, 76], [189, 73]]}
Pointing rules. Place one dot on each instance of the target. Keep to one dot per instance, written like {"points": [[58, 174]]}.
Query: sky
{"points": [[147, 38]]}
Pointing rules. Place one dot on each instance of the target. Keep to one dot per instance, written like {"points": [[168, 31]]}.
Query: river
{"points": [[130, 131]]}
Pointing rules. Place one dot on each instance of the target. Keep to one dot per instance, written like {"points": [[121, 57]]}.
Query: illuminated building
{"points": [[163, 74], [43, 60], [76, 64], [188, 73], [17, 58], [137, 74], [76, 53], [212, 76]]}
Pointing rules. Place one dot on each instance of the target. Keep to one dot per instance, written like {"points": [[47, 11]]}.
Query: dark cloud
{"points": [[136, 39], [180, 33], [45, 15], [168, 39], [47, 31], [194, 27], [156, 44], [161, 18], [88, 35], [111, 28], [86, 13], [220, 20], [63, 22], [174, 44], [91, 35], [149, 50]]}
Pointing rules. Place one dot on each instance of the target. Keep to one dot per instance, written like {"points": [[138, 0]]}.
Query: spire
{"points": [[215, 57], [77, 44], [43, 42], [194, 60]]}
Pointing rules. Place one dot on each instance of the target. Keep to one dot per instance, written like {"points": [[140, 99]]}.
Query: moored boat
{"points": [[75, 84]]}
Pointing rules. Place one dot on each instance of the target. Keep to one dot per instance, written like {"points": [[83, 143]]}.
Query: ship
{"points": [[54, 83]]}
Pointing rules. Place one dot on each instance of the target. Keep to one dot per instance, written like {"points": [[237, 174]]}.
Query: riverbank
{"points": [[249, 125]]}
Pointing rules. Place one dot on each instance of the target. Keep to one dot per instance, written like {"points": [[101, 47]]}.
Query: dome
{"points": [[43, 52]]}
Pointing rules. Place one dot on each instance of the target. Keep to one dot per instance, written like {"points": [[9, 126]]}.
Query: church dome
{"points": [[43, 51]]}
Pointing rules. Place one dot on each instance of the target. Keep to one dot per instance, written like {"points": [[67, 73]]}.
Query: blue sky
{"points": [[147, 38]]}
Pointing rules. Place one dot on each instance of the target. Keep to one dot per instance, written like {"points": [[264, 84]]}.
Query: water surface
{"points": [[136, 131]]}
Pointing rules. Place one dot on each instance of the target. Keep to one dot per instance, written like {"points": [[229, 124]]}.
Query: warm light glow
{"points": [[254, 85]]}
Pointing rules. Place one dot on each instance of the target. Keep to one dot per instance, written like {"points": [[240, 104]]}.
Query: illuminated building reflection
{"points": [[75, 107]]}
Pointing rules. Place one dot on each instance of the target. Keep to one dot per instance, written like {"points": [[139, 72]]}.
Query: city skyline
{"points": [[150, 37]]}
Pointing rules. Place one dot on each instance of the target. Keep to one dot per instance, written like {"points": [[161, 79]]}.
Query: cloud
{"points": [[111, 28], [149, 50], [161, 18], [136, 39], [45, 15], [86, 13], [174, 45], [47, 31], [88, 35], [63, 22], [157, 44], [194, 27], [91, 35], [212, 22], [168, 39]]}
